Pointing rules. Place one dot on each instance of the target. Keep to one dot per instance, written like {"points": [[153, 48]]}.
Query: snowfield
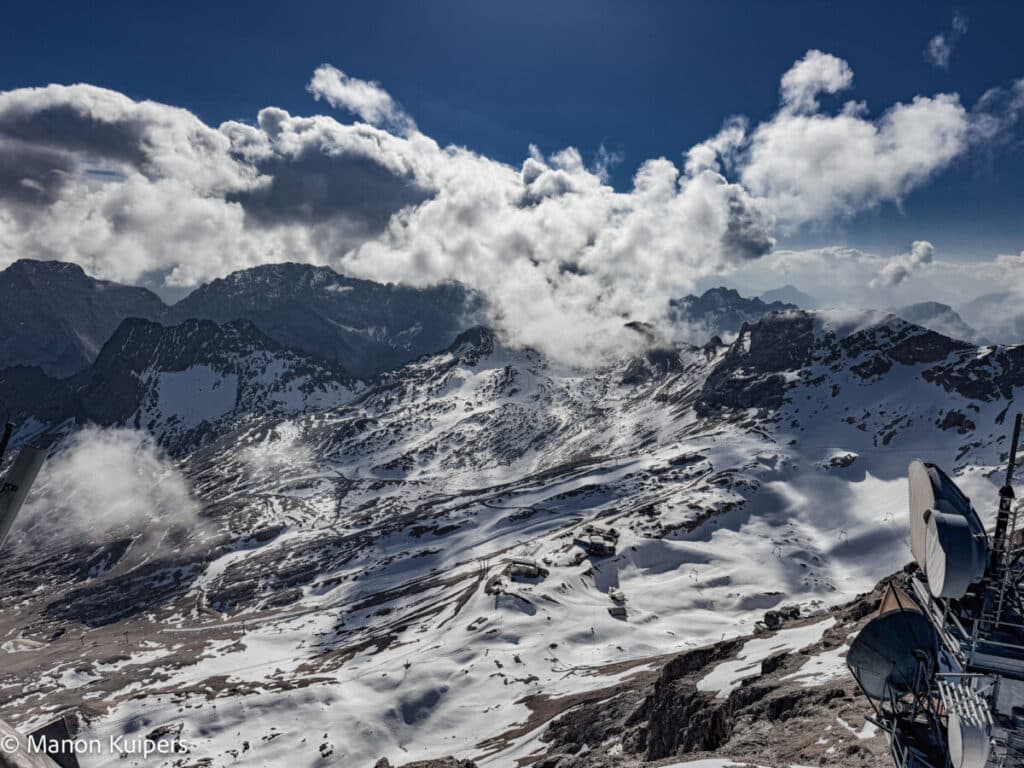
{"points": [[346, 594]]}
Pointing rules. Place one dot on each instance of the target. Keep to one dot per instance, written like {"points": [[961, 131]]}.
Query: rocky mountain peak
{"points": [[720, 311], [56, 316], [941, 318], [771, 355], [368, 327], [473, 345]]}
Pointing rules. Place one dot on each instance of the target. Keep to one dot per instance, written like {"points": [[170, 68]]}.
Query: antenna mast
{"points": [[1006, 496], [1001, 564]]}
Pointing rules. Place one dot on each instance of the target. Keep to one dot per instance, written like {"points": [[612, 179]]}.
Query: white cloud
{"points": [[722, 146], [564, 258], [840, 277], [364, 98], [899, 269], [139, 191], [815, 73], [808, 166], [940, 48], [106, 481]]}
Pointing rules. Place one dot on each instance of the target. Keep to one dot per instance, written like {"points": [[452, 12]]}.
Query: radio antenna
{"points": [[1006, 497]]}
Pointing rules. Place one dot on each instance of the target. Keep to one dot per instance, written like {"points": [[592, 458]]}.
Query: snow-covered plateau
{"points": [[336, 585]]}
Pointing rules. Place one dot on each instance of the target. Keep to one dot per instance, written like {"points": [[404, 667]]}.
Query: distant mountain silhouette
{"points": [[790, 294]]}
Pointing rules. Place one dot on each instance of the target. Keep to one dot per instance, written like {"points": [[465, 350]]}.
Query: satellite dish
{"points": [[890, 650], [969, 741], [932, 491], [954, 557]]}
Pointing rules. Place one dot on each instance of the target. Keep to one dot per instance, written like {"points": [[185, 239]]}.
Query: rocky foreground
{"points": [[794, 708]]}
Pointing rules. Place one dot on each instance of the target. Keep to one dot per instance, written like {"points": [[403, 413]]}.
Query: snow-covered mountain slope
{"points": [[177, 382], [346, 588]]}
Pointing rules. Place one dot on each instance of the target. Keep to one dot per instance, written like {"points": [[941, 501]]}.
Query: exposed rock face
{"points": [[442, 762], [941, 318], [721, 311], [473, 345], [776, 716], [783, 349], [56, 317], [986, 374], [957, 420], [751, 373], [894, 340], [365, 326], [675, 717], [176, 381], [655, 363]]}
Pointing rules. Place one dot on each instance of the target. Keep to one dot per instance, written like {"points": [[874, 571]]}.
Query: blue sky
{"points": [[868, 153], [645, 79]]}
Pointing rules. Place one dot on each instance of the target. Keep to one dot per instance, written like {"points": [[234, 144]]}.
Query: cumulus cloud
{"points": [[314, 169], [899, 269], [814, 74], [940, 48], [107, 481], [366, 99], [144, 192], [810, 166], [90, 125], [723, 147], [555, 248]]}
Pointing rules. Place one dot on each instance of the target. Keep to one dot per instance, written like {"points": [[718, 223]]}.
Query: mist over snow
{"points": [[143, 192], [281, 448], [104, 481]]}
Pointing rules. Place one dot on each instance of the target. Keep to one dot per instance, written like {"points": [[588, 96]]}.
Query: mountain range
{"points": [[335, 579], [58, 318], [719, 312]]}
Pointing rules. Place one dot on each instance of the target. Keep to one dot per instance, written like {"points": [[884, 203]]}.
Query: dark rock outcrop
{"points": [[128, 380], [751, 374], [775, 716], [721, 310], [441, 762], [56, 317], [365, 326]]}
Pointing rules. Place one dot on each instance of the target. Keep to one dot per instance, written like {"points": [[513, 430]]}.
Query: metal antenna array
{"points": [[1003, 583], [943, 662]]}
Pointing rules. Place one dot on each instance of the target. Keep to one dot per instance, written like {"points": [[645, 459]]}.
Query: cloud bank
{"points": [[850, 278], [145, 192]]}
